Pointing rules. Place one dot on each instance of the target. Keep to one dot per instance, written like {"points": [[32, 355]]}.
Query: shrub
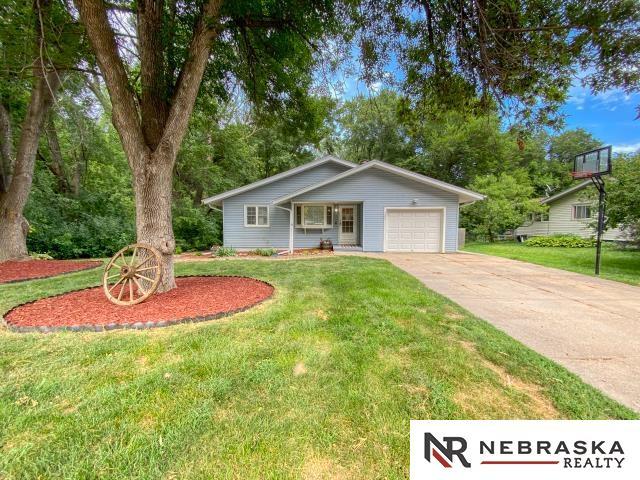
{"points": [[225, 252], [265, 252], [570, 241]]}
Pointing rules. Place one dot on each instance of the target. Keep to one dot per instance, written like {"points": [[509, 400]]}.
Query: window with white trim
{"points": [[314, 216], [256, 216], [582, 212]]}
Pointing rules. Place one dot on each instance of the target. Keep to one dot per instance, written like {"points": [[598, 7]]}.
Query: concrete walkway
{"points": [[589, 325]]}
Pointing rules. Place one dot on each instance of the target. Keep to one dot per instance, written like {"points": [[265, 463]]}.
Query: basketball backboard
{"points": [[592, 163]]}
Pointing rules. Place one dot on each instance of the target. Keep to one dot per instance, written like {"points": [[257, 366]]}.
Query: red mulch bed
{"points": [[19, 270], [196, 298]]}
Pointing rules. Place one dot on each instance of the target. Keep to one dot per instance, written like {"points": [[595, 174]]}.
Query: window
{"points": [[256, 216], [581, 212], [314, 216], [540, 217]]}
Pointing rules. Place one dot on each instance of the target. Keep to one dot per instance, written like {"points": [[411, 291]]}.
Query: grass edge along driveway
{"points": [[617, 264], [320, 380]]}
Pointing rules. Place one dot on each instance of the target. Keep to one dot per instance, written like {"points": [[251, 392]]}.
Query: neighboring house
{"points": [[373, 207], [570, 212]]}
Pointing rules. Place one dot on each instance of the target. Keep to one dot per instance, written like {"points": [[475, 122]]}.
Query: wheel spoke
{"points": [[130, 290], [155, 267], [143, 262], [142, 276], [133, 257], [122, 289], [140, 289], [114, 275], [114, 285]]}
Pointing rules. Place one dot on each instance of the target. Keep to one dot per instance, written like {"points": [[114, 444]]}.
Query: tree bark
{"points": [[153, 187], [56, 164], [6, 149], [13, 226]]}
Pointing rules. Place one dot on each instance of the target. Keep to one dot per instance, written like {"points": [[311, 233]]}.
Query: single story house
{"points": [[572, 211], [373, 207]]}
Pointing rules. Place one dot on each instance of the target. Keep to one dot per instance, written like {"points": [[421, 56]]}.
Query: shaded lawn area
{"points": [[321, 380], [617, 264]]}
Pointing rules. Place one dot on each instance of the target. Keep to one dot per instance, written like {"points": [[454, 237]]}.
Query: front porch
{"points": [[339, 222]]}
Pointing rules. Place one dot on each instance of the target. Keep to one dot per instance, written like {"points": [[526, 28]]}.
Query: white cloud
{"points": [[582, 98], [627, 148]]}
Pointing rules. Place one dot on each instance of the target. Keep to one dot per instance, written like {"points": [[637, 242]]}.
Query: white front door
{"points": [[413, 230], [348, 234]]}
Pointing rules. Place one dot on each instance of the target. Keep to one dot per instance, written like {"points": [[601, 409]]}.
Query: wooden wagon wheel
{"points": [[133, 274]]}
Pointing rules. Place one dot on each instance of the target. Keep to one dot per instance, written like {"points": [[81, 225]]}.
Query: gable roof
{"points": [[216, 199], [465, 196], [566, 192]]}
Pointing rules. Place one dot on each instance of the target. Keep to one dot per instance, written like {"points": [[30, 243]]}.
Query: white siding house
{"points": [[572, 211]]}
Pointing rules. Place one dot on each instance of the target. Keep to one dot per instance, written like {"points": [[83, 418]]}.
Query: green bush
{"points": [[265, 252], [225, 252], [570, 241]]}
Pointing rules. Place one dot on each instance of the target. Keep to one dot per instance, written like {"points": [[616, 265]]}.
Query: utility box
{"points": [[462, 236]]}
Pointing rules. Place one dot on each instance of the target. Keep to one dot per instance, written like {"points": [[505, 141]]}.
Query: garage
{"points": [[413, 229]]}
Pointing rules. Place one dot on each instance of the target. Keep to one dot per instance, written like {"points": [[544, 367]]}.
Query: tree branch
{"points": [[190, 77], [125, 114]]}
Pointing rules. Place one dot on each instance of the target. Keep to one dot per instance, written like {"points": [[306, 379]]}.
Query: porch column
{"points": [[291, 227]]}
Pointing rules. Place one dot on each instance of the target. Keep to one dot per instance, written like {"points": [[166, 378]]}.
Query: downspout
{"points": [[290, 210]]}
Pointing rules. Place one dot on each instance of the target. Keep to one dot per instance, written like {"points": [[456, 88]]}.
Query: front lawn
{"points": [[318, 382], [617, 264]]}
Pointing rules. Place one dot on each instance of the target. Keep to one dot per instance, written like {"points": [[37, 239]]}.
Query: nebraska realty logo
{"points": [[525, 448]]}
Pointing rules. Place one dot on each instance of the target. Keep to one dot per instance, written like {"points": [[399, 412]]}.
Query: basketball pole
{"points": [[599, 184]]}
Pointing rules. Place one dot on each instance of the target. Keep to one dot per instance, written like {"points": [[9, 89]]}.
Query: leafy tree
{"points": [[509, 201], [521, 56], [457, 147], [266, 46], [370, 129], [42, 38], [623, 195]]}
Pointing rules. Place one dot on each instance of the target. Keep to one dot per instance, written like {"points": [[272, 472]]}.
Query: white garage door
{"points": [[413, 230]]}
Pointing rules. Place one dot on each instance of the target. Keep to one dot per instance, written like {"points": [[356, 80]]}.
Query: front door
{"points": [[348, 234]]}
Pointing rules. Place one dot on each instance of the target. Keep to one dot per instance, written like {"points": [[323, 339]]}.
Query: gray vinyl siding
{"points": [[376, 190], [561, 220], [236, 235]]}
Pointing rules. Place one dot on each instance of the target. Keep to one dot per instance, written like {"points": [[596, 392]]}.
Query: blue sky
{"points": [[609, 116]]}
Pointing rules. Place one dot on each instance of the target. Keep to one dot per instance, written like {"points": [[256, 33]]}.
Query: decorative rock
{"points": [[138, 325]]}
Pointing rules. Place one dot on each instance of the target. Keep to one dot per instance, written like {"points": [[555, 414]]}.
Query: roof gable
{"points": [[566, 192], [464, 195], [217, 199]]}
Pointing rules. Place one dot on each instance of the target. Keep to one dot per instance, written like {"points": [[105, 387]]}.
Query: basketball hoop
{"points": [[594, 164], [581, 175]]}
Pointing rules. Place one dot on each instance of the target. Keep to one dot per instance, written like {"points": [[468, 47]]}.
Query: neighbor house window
{"points": [[581, 212], [256, 216], [540, 217], [314, 216]]}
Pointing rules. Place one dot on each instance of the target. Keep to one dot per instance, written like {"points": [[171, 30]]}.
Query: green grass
{"points": [[321, 380], [617, 264]]}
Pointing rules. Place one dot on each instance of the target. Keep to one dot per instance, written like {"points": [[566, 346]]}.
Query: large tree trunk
{"points": [[13, 225], [153, 186]]}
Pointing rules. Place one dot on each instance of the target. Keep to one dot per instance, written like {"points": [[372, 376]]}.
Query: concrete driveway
{"points": [[589, 325]]}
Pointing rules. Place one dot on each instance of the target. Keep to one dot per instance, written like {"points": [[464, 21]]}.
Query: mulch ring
{"points": [[196, 299], [20, 270]]}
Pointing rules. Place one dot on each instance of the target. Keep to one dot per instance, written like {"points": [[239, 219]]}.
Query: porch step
{"points": [[347, 248]]}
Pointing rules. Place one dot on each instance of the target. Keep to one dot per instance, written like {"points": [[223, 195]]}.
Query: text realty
{"points": [[579, 448]]}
